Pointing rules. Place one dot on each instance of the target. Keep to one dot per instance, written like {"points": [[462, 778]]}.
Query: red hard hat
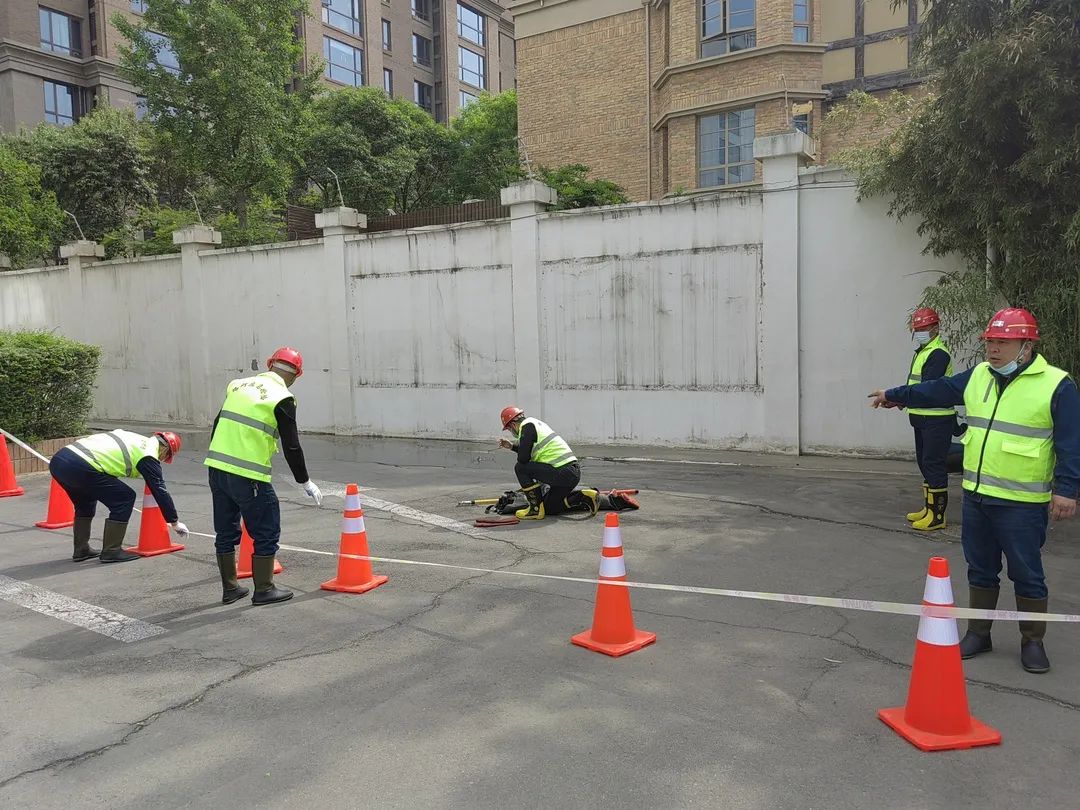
{"points": [[287, 355], [172, 441], [924, 317], [1012, 324], [509, 414]]}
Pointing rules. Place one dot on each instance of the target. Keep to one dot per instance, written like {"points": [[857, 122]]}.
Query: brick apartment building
{"points": [[59, 58], [667, 95]]}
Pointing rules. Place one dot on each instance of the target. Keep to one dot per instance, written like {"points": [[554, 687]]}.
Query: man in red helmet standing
{"points": [[257, 412], [544, 457], [933, 426], [90, 470], [1021, 465]]}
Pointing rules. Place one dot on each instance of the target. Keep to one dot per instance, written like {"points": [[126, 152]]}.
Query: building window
{"points": [[60, 103], [343, 15], [802, 21], [421, 9], [388, 81], [138, 6], [422, 95], [387, 36], [421, 50], [471, 68], [470, 24], [165, 55], [726, 26], [344, 63], [466, 99], [726, 148], [60, 33], [802, 123]]}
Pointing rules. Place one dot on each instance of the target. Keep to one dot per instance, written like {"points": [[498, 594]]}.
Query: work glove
{"points": [[180, 529], [313, 492]]}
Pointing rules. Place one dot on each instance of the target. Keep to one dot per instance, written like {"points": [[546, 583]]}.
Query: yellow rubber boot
{"points": [[913, 516], [935, 514], [535, 509]]}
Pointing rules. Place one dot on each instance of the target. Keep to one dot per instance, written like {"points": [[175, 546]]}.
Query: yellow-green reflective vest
{"points": [[550, 447], [915, 375], [116, 453], [247, 431], [1009, 443]]}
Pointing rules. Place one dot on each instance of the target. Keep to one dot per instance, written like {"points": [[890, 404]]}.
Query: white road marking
{"points": [[81, 614]]}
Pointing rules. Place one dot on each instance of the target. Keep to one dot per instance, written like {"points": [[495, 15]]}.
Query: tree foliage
{"points": [[577, 190], [30, 219], [98, 169], [989, 163], [485, 139], [225, 87]]}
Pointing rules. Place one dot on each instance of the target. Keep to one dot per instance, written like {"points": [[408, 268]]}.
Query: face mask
{"points": [[1009, 368], [922, 338]]}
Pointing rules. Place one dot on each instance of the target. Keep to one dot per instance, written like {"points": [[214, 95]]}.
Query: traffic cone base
{"points": [[353, 575], [641, 639], [980, 733], [153, 530], [374, 582], [61, 511], [11, 493], [245, 553]]}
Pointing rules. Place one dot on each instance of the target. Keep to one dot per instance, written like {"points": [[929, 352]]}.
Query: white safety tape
{"points": [[24, 445], [867, 605]]}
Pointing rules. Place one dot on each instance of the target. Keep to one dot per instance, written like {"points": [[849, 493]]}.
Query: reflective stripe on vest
{"points": [[116, 453], [915, 376], [550, 448], [245, 438], [1009, 443]]}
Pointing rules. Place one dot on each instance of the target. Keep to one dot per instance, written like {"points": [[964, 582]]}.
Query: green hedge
{"points": [[46, 384]]}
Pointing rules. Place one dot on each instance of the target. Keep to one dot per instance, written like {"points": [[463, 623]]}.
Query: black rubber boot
{"points": [[81, 532], [262, 573], [1032, 652], [977, 639], [535, 509], [112, 545], [230, 588]]}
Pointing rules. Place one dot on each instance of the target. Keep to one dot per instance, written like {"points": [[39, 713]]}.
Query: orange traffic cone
{"points": [[61, 511], [153, 531], [247, 550], [9, 487], [936, 716], [613, 631], [353, 575]]}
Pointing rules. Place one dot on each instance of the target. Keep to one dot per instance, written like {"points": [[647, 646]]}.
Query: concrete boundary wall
{"points": [[755, 319]]}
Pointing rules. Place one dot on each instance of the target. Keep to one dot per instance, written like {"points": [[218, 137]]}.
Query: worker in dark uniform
{"points": [[933, 426], [1021, 466], [544, 457], [90, 470], [257, 412]]}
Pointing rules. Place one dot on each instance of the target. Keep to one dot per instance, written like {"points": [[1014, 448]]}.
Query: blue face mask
{"points": [[1010, 368], [922, 338]]}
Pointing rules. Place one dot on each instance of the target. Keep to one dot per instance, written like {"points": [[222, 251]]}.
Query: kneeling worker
{"points": [[89, 471], [256, 412], [544, 457]]}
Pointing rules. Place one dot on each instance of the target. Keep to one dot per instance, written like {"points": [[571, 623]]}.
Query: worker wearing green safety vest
{"points": [[1021, 466], [89, 471], [258, 411], [544, 458], [933, 427]]}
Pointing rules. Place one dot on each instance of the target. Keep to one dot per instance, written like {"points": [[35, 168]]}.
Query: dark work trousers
{"points": [[86, 486], [993, 528], [933, 435], [256, 502], [560, 480]]}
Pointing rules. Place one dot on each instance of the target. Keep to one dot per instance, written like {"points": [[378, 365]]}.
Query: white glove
{"points": [[313, 492], [180, 529]]}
